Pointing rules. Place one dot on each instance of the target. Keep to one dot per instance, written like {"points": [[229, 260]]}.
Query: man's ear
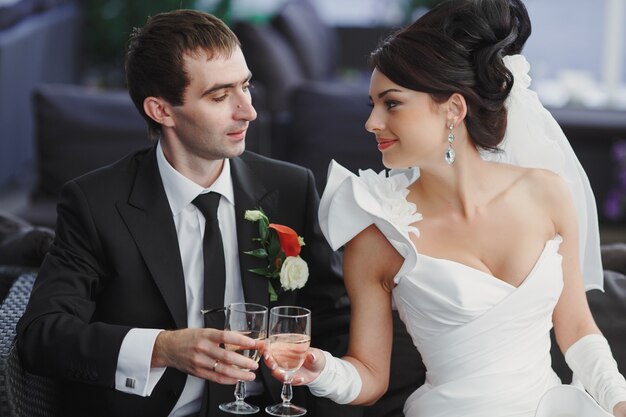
{"points": [[158, 110], [457, 108]]}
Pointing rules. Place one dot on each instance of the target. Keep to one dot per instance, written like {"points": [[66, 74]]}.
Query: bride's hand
{"points": [[311, 368], [620, 409]]}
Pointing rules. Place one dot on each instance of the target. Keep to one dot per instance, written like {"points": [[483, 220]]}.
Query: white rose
{"points": [[253, 215], [294, 273]]}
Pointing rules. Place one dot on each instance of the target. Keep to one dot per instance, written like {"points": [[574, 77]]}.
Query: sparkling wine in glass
{"points": [[288, 342], [250, 320]]}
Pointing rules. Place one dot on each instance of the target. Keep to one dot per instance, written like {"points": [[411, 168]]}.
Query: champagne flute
{"points": [[251, 320], [288, 342]]}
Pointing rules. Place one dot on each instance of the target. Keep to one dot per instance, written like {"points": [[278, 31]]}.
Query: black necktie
{"points": [[214, 267]]}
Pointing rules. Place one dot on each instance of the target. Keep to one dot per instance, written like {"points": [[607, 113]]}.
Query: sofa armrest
{"points": [[21, 393]]}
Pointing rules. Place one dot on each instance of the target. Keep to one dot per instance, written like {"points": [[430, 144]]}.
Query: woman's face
{"points": [[410, 127]]}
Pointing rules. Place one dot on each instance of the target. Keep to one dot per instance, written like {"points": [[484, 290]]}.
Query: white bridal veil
{"points": [[534, 139]]}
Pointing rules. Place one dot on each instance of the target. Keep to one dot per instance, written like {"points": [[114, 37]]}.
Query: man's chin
{"points": [[237, 149]]}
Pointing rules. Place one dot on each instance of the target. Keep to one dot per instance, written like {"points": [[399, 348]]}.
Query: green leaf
{"points": [[273, 295], [274, 246], [257, 253], [261, 271], [263, 230]]}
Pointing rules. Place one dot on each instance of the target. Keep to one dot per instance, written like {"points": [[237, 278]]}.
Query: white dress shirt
{"points": [[134, 374]]}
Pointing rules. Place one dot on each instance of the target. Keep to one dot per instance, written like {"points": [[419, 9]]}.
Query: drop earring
{"points": [[450, 154]]}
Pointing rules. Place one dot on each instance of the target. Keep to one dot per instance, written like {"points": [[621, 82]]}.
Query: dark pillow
{"points": [[14, 12], [79, 129], [313, 41], [317, 140], [22, 244], [271, 61], [614, 257]]}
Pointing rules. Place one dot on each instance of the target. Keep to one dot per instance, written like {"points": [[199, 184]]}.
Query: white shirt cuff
{"points": [[134, 374]]}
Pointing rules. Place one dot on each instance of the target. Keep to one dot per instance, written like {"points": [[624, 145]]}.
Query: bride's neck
{"points": [[460, 187]]}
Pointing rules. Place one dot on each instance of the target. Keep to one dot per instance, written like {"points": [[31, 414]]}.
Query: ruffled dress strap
{"points": [[351, 203]]}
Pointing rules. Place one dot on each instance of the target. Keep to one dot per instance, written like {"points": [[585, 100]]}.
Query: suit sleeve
{"points": [[56, 335]]}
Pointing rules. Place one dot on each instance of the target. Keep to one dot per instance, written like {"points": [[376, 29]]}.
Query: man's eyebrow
{"points": [[217, 87]]}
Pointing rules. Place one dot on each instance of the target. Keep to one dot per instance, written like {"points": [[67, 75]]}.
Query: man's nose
{"points": [[245, 111]]}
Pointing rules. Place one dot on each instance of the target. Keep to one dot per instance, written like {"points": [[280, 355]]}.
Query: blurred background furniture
{"points": [[39, 43], [22, 394], [22, 249], [296, 51]]}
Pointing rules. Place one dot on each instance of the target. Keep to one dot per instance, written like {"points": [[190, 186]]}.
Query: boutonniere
{"points": [[281, 246]]}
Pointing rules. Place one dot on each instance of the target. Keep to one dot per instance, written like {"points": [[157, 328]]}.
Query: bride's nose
{"points": [[374, 123]]}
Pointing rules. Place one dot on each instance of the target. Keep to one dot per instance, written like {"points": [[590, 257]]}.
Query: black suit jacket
{"points": [[115, 265]]}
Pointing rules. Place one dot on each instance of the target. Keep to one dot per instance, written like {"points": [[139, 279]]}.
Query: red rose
{"points": [[288, 239]]}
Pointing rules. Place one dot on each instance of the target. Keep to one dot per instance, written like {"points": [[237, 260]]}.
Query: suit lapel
{"points": [[250, 194], [148, 216]]}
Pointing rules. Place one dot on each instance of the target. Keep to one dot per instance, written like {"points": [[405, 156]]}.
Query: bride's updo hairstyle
{"points": [[457, 47]]}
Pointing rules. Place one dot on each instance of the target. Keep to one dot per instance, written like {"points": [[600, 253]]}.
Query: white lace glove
{"points": [[592, 362], [338, 381]]}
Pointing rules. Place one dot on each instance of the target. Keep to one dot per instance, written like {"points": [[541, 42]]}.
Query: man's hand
{"points": [[197, 352], [620, 409]]}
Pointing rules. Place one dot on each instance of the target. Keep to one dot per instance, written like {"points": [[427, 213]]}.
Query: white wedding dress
{"points": [[485, 343]]}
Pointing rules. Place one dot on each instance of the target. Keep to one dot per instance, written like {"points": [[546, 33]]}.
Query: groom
{"points": [[115, 312]]}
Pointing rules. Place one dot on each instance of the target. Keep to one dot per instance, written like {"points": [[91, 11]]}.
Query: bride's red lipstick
{"points": [[385, 143]]}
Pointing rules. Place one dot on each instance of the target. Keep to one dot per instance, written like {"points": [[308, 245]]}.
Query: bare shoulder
{"points": [[539, 184], [545, 186], [550, 192], [370, 254]]}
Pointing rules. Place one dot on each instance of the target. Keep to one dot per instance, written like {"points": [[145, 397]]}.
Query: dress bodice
{"points": [[485, 343], [439, 295]]}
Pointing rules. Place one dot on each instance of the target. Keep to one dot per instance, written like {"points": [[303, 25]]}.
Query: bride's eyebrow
{"points": [[390, 90], [384, 93]]}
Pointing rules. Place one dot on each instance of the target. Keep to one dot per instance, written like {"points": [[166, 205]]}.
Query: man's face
{"points": [[212, 122]]}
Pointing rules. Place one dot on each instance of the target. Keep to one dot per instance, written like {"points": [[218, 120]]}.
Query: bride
{"points": [[483, 247]]}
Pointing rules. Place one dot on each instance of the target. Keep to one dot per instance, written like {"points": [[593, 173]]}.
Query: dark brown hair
{"points": [[457, 47], [154, 59]]}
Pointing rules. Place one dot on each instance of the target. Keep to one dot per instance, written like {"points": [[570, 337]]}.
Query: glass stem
{"points": [[287, 393], [240, 391]]}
